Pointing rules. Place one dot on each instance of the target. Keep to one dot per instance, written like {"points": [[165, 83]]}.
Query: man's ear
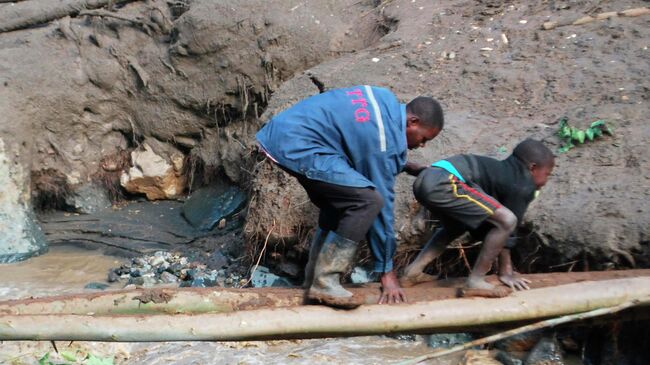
{"points": [[532, 166]]}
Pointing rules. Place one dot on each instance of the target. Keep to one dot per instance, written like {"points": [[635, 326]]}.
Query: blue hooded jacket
{"points": [[352, 137]]}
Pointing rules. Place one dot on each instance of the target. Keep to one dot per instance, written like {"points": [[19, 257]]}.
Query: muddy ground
{"points": [[190, 82], [502, 79]]}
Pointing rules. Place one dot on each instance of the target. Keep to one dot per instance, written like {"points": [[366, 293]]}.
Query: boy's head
{"points": [[424, 120], [539, 159]]}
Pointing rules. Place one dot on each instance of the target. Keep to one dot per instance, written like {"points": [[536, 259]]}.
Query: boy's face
{"points": [[417, 135], [540, 173]]}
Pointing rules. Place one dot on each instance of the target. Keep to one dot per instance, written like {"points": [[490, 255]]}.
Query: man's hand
{"points": [[515, 282], [413, 168], [391, 292]]}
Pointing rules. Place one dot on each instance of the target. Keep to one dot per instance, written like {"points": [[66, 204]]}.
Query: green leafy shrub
{"points": [[571, 135]]}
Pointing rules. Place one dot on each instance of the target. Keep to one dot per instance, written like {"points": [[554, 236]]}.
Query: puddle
{"points": [[63, 270]]}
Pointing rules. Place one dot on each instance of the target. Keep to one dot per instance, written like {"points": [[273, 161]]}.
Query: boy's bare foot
{"points": [[478, 282], [409, 280]]}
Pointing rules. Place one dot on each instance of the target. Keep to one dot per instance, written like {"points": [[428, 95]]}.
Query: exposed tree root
{"points": [[108, 174], [30, 13], [148, 27], [49, 189]]}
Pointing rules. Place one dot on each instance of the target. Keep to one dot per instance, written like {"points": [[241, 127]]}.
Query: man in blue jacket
{"points": [[345, 147]]}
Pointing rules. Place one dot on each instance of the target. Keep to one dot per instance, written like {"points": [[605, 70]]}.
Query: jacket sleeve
{"points": [[381, 236]]}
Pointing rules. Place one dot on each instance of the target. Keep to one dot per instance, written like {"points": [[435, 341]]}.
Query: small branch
{"points": [[588, 19], [142, 74], [528, 328], [266, 241], [108, 14]]}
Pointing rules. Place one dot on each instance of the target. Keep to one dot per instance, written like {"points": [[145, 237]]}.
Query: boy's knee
{"points": [[506, 219]]}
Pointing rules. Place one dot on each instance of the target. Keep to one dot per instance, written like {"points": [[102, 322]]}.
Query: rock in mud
{"points": [[113, 276], [508, 359], [446, 340], [209, 205], [404, 337], [262, 278], [96, 286], [202, 280], [520, 343], [217, 260], [167, 277], [154, 175], [138, 281], [546, 352], [88, 198], [289, 268]]}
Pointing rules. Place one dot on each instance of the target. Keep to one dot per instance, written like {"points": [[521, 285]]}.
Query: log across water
{"points": [[319, 321], [218, 300]]}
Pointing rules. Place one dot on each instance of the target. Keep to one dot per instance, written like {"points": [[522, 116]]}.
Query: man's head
{"points": [[538, 158], [424, 120]]}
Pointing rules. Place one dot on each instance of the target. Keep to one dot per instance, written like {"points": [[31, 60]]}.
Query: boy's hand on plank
{"points": [[515, 282]]}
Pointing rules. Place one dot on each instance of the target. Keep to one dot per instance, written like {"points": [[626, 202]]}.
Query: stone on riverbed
{"points": [[447, 340], [262, 277], [209, 205], [156, 176], [96, 286], [546, 352], [88, 199]]}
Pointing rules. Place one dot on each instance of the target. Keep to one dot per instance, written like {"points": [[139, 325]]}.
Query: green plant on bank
{"points": [[88, 359], [570, 135]]}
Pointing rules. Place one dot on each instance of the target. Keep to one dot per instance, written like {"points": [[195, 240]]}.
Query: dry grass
{"points": [[49, 189], [109, 171]]}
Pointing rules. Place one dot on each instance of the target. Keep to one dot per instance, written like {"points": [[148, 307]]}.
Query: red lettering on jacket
{"points": [[361, 114]]}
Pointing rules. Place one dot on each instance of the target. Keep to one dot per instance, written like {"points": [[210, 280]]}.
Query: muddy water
{"points": [[69, 269]]}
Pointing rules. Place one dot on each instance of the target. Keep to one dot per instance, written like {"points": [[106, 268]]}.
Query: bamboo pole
{"points": [[217, 300], [156, 301], [528, 328], [320, 321]]}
